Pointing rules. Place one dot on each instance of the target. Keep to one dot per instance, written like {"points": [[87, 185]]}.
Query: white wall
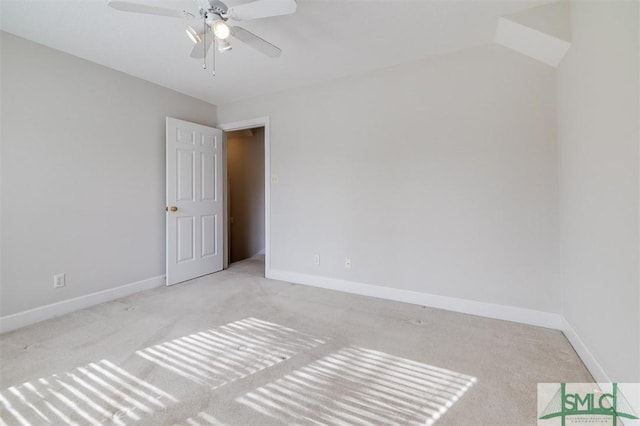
{"points": [[598, 174], [245, 178], [437, 176], [82, 174]]}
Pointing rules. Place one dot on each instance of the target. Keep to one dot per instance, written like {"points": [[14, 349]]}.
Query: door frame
{"points": [[242, 125]]}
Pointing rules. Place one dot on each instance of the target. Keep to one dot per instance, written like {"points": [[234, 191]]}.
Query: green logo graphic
{"points": [[565, 404]]}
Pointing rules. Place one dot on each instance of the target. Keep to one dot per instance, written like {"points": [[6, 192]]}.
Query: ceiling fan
{"points": [[215, 15]]}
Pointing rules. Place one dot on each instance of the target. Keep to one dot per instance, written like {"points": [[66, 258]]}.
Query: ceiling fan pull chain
{"points": [[213, 55], [204, 44]]}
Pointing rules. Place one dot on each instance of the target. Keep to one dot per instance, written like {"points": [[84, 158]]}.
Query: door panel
{"points": [[194, 183], [208, 164], [185, 175], [185, 238], [209, 228]]}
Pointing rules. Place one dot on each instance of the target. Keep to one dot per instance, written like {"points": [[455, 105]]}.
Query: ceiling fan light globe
{"points": [[223, 46], [221, 29]]}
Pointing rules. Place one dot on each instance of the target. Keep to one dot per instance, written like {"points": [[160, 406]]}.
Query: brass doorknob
{"points": [[173, 208]]}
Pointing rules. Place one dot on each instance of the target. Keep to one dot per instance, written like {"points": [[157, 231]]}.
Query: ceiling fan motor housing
{"points": [[217, 8]]}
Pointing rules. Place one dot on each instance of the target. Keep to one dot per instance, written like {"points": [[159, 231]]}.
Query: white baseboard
{"points": [[489, 310], [32, 316], [594, 367]]}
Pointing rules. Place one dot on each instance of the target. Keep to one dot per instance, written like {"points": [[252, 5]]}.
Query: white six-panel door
{"points": [[194, 200]]}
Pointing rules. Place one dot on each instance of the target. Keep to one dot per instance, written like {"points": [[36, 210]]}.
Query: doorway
{"points": [[270, 179], [246, 194]]}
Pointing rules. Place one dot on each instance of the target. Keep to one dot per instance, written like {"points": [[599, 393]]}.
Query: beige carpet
{"points": [[236, 349]]}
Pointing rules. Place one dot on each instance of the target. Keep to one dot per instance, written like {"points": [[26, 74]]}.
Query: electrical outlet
{"points": [[58, 281], [347, 263], [316, 259]]}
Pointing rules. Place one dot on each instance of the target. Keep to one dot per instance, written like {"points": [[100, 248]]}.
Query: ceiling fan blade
{"points": [[202, 46], [261, 9], [256, 42], [126, 6]]}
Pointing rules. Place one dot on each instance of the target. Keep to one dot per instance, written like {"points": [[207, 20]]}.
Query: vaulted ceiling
{"points": [[323, 40]]}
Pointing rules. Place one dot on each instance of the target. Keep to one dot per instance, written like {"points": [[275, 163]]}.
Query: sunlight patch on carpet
{"points": [[357, 386], [95, 394], [231, 352]]}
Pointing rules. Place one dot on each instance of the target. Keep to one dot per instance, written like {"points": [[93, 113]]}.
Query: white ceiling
{"points": [[323, 40]]}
